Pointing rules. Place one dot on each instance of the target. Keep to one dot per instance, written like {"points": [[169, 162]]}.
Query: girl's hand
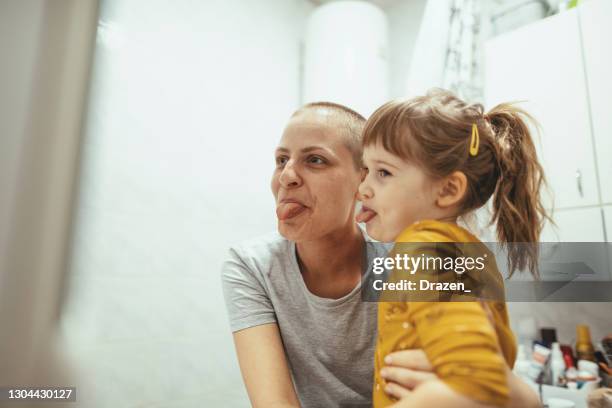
{"points": [[404, 370]]}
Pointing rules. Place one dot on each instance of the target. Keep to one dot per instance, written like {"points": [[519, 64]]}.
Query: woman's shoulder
{"points": [[255, 260], [272, 238], [263, 247]]}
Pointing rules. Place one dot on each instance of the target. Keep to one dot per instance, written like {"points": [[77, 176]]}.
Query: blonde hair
{"points": [[348, 120], [435, 130]]}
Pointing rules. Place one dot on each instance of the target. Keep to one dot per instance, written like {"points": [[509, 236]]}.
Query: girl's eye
{"points": [[316, 160], [383, 173], [365, 170]]}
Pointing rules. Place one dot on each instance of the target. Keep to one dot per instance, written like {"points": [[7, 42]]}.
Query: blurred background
{"points": [[136, 145]]}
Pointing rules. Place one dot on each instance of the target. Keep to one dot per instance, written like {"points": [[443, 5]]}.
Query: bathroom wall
{"points": [[564, 317], [187, 101]]}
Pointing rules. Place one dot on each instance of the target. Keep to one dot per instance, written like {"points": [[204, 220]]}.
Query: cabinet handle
{"points": [[579, 182]]}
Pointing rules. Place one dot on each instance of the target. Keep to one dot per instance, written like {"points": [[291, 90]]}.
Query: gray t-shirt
{"points": [[329, 343]]}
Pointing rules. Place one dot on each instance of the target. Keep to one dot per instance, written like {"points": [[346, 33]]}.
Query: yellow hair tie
{"points": [[475, 142]]}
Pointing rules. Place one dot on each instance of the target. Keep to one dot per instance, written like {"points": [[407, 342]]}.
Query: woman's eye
{"points": [[281, 160], [365, 170], [383, 173], [316, 160]]}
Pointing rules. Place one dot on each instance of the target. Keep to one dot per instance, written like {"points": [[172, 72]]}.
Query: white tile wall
{"points": [[188, 100]]}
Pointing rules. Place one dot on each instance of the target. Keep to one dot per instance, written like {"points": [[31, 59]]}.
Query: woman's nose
{"points": [[289, 177]]}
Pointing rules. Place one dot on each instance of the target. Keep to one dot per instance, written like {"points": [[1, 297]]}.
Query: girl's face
{"points": [[395, 193]]}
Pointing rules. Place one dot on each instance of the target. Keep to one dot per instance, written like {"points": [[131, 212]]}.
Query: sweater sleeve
{"points": [[462, 346]]}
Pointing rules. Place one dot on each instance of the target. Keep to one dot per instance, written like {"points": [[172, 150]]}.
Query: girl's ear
{"points": [[452, 190]]}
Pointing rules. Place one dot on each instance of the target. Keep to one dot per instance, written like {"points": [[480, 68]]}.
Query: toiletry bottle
{"points": [[568, 355], [538, 364], [584, 346], [557, 365]]}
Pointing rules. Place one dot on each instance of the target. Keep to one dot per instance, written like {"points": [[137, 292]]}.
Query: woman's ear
{"points": [[452, 190]]}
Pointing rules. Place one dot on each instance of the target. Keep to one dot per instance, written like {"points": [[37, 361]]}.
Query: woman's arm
{"points": [[256, 335], [521, 394], [409, 369], [264, 367], [435, 393]]}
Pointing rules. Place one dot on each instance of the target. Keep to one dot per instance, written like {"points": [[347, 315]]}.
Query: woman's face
{"points": [[315, 181]]}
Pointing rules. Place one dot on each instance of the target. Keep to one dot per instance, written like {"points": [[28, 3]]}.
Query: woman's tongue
{"points": [[284, 211], [365, 215]]}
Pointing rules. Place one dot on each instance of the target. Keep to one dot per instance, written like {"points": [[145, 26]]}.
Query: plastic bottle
{"points": [[557, 365], [538, 363], [584, 345]]}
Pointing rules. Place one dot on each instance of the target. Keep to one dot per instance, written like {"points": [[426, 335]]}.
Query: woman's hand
{"points": [[404, 370]]}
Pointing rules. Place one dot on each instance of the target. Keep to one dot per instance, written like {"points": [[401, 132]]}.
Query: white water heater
{"points": [[345, 56]]}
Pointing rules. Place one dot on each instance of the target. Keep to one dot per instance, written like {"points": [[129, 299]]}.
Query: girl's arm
{"points": [[409, 369], [461, 343], [437, 394]]}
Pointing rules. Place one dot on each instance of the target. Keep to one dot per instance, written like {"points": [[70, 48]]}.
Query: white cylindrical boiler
{"points": [[345, 56]]}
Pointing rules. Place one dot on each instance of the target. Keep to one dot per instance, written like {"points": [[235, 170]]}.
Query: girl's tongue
{"points": [[365, 215], [284, 211]]}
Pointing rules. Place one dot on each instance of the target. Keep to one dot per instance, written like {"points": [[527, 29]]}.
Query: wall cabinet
{"points": [[575, 225], [541, 64], [608, 222], [561, 67], [595, 19], [607, 213]]}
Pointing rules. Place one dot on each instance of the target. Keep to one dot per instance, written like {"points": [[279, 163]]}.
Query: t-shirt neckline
{"points": [[318, 300]]}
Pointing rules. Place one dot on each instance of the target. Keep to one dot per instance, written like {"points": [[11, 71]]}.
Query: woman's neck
{"points": [[332, 265]]}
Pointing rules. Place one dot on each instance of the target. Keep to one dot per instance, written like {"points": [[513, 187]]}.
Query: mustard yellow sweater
{"points": [[469, 343]]}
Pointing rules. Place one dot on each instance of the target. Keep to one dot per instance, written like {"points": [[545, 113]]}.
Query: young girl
{"points": [[429, 161]]}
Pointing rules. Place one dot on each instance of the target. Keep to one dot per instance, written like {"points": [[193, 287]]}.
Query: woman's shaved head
{"points": [[342, 118]]}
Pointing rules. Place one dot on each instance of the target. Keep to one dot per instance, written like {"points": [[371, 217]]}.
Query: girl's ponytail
{"points": [[517, 207]]}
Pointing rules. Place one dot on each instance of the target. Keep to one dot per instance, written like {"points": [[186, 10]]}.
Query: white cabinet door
{"points": [[580, 225], [596, 25], [575, 225], [607, 214], [542, 65], [608, 219]]}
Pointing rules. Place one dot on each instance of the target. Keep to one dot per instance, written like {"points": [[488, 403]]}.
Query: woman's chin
{"points": [[293, 231]]}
